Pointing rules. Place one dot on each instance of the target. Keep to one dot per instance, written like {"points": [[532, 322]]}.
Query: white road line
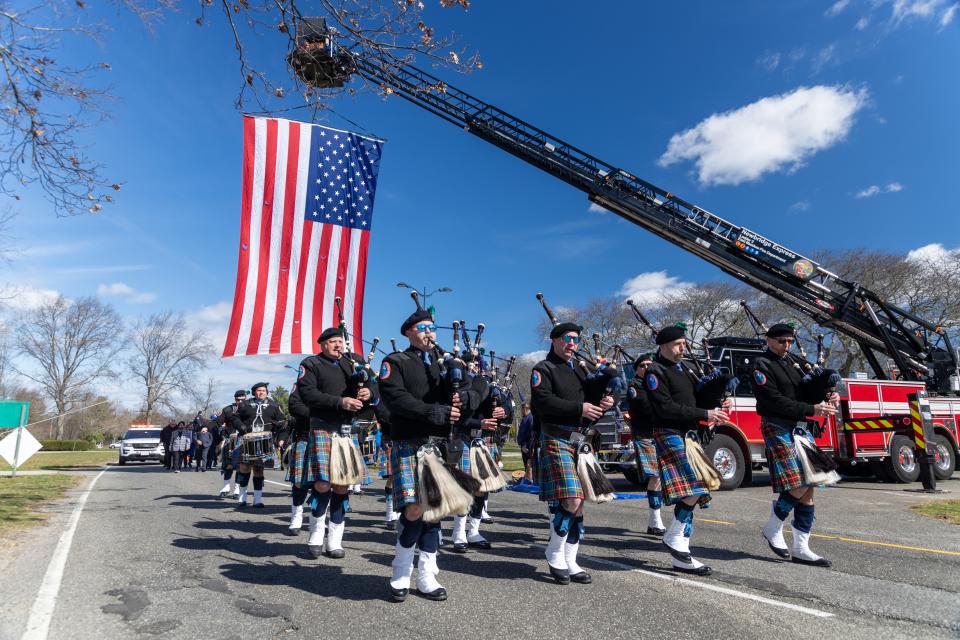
{"points": [[699, 585], [38, 625], [282, 484]]}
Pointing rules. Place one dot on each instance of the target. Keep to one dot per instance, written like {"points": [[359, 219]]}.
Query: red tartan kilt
{"points": [[558, 470], [677, 475], [782, 461]]}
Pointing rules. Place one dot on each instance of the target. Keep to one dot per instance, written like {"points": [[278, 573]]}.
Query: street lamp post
{"points": [[423, 293]]}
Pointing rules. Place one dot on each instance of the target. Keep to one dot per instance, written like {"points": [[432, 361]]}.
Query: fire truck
{"points": [[873, 430]]}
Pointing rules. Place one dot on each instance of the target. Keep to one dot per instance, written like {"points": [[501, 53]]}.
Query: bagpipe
{"points": [[596, 486]]}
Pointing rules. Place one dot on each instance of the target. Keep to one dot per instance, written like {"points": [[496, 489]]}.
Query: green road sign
{"points": [[10, 413]]}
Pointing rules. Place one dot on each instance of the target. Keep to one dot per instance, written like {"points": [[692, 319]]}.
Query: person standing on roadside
{"points": [[165, 435], [204, 440], [180, 441]]}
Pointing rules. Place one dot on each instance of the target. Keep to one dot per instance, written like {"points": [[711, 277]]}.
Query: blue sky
{"points": [[817, 124]]}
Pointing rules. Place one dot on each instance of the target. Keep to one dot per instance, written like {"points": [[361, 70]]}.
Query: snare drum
{"points": [[256, 446]]}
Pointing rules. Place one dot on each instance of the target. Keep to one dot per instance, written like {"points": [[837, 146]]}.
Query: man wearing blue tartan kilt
{"points": [[384, 464], [466, 527], [645, 449], [298, 471], [421, 412], [562, 397], [325, 385], [783, 403], [671, 389]]}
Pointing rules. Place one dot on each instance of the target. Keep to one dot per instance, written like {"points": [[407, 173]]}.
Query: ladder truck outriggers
{"points": [[896, 428]]}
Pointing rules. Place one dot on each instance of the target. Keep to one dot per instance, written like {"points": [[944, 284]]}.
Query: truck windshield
{"points": [[141, 433]]}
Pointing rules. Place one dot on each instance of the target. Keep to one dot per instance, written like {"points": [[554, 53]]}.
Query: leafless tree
{"points": [[72, 345], [202, 396], [166, 356]]}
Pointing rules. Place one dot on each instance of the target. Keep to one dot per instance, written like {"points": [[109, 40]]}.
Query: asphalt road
{"points": [[158, 555]]}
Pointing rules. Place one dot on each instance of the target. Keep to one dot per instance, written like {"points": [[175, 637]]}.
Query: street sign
{"points": [[10, 413], [28, 446]]}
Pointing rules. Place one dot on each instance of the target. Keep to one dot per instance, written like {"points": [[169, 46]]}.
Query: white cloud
{"points": [[650, 286], [906, 9], [935, 253], [25, 298], [836, 8], [949, 14], [824, 57], [802, 205], [123, 290], [769, 60], [875, 190], [862, 23], [595, 208], [532, 357], [772, 134]]}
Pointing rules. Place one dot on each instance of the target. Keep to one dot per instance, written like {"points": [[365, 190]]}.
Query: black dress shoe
{"points": [[487, 520], [459, 547], [336, 554], [399, 595], [480, 544], [562, 576], [653, 531], [241, 505], [699, 571], [291, 532], [258, 505], [581, 578], [822, 562], [780, 551], [438, 594], [315, 550], [391, 525]]}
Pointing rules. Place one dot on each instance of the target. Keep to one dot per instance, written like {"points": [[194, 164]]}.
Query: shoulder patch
{"points": [[385, 371], [652, 381], [535, 378], [632, 392], [301, 372], [759, 377]]}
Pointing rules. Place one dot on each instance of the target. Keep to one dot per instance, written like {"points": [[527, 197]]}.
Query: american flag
{"points": [[307, 208]]}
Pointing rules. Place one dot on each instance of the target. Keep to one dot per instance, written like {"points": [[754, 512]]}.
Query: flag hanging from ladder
{"points": [[306, 214]]}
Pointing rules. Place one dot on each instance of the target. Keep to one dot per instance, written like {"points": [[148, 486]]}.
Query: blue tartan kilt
{"points": [[298, 471], [383, 462], [558, 470], [403, 461], [677, 475], [647, 463], [786, 473], [318, 456]]}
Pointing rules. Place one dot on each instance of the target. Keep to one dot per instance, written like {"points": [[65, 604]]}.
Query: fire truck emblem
{"points": [[535, 379], [385, 371], [803, 269], [632, 392], [760, 378]]}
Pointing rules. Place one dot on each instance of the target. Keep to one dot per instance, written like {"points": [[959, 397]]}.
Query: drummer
{"points": [[258, 414]]}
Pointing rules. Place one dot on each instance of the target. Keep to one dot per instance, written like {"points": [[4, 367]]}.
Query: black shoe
{"points": [[699, 571], [223, 494], [203, 470], [822, 562], [487, 520], [581, 578], [399, 595], [562, 576], [391, 525], [258, 505], [460, 547], [480, 544], [315, 550], [439, 594], [336, 554], [289, 531], [241, 505], [653, 531], [780, 551]]}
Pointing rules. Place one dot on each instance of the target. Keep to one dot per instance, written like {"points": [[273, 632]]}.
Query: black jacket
{"points": [[777, 386], [672, 394], [270, 418], [557, 391], [641, 411], [323, 384], [414, 394]]}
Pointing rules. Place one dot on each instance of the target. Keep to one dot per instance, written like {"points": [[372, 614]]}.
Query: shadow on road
{"points": [[324, 580]]}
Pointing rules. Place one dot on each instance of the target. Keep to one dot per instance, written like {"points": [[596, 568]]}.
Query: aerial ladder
{"points": [[921, 350]]}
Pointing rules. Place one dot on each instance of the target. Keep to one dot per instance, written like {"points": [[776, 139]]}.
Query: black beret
{"points": [[643, 357], [564, 327], [417, 316], [669, 334], [239, 392], [779, 330], [332, 332], [256, 386]]}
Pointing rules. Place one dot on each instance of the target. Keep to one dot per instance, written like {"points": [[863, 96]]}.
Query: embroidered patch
{"points": [[633, 392], [759, 378], [652, 382], [385, 371], [535, 379], [301, 372]]}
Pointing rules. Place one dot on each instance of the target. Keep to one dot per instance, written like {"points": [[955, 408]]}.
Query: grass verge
{"points": [[64, 460], [948, 510], [22, 498]]}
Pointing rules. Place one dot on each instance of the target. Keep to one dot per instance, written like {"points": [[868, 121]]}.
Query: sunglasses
{"points": [[421, 328], [785, 340], [571, 339]]}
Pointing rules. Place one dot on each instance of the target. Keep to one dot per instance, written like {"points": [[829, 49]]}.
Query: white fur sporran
{"points": [[346, 462], [811, 474], [484, 468], [702, 466], [438, 492]]}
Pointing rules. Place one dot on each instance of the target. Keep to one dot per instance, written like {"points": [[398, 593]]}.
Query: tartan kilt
{"points": [[403, 462], [558, 470], [383, 462], [679, 479], [318, 456], [782, 461], [647, 463], [298, 471]]}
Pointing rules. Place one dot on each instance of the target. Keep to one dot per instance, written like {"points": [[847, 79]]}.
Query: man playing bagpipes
{"points": [[784, 401], [641, 429], [423, 409], [299, 443], [677, 409], [497, 411], [259, 415], [229, 428], [565, 400], [331, 462]]}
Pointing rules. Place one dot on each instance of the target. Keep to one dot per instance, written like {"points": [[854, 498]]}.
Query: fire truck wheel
{"points": [[945, 460], [727, 457], [902, 464], [633, 476]]}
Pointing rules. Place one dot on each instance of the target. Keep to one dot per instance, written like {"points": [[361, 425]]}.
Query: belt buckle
{"points": [[576, 437], [345, 429], [476, 433]]}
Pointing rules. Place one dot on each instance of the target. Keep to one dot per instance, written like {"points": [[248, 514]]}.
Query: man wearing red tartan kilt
{"points": [[641, 429], [562, 396], [784, 402], [671, 388]]}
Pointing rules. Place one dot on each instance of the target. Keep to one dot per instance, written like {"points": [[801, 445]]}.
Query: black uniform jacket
{"points": [[300, 413], [322, 384], [641, 411], [273, 419], [415, 395], [672, 395], [558, 391], [777, 386]]}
